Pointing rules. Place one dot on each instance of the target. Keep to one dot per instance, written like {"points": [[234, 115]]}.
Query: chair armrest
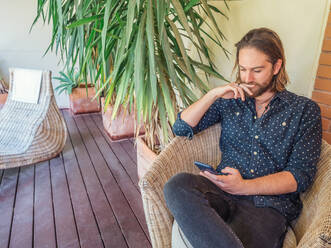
{"points": [[177, 157], [313, 228]]}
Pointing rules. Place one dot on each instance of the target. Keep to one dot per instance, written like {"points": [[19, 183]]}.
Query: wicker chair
{"points": [[49, 137], [311, 229]]}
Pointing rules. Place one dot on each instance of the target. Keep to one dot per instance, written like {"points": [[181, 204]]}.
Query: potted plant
{"points": [[81, 95], [153, 69], [136, 51]]}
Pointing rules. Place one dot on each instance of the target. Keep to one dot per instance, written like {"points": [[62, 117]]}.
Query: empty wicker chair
{"points": [[311, 229], [30, 132]]}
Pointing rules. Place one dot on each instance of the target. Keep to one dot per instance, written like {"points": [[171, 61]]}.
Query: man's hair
{"points": [[268, 42]]}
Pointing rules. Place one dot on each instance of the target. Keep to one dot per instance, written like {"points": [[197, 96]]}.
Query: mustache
{"points": [[252, 83]]}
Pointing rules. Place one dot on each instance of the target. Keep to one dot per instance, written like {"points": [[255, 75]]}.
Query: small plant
{"points": [[68, 80]]}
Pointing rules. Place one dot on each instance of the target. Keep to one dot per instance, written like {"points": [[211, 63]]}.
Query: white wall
{"points": [[299, 23], [18, 48]]}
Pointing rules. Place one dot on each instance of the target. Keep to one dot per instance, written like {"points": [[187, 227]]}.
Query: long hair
{"points": [[268, 42]]}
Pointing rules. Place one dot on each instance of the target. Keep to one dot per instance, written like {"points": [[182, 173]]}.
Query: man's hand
{"points": [[232, 90], [282, 182], [193, 114], [232, 183]]}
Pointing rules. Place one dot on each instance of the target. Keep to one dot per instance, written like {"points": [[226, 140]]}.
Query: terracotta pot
{"points": [[81, 103], [145, 157], [3, 98], [122, 127]]}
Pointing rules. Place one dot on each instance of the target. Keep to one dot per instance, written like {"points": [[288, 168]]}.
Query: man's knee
{"points": [[177, 185]]}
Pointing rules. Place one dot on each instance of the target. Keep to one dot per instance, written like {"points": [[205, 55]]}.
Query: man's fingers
{"points": [[235, 91], [247, 87], [230, 170], [213, 177], [241, 92]]}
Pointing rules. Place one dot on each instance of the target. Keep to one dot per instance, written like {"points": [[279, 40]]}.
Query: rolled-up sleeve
{"points": [[306, 151], [213, 115], [181, 128]]}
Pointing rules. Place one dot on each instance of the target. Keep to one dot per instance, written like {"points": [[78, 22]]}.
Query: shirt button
{"points": [[254, 117], [237, 113], [252, 170], [284, 124], [256, 136], [255, 153]]}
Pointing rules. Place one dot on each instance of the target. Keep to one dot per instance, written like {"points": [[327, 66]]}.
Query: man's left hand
{"points": [[232, 183]]}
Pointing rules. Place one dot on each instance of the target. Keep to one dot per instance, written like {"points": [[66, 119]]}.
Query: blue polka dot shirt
{"points": [[286, 138]]}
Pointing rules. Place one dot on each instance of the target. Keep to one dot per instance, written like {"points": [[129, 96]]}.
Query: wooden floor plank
{"points": [[7, 200], [1, 175], [65, 226], [44, 229], [86, 197], [22, 227], [125, 183], [121, 154], [128, 222], [130, 148], [87, 227], [108, 226]]}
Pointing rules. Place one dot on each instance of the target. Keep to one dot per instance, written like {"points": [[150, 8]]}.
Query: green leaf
{"points": [[130, 18], [151, 50], [209, 70], [162, 114], [191, 4], [182, 17], [104, 32], [139, 64], [84, 21]]}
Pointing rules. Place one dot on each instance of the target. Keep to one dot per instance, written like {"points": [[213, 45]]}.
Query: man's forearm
{"points": [[274, 184], [193, 114]]}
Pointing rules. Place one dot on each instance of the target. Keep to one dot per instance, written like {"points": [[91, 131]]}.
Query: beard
{"points": [[260, 88]]}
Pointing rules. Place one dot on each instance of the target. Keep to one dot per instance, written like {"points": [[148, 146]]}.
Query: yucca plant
{"points": [[136, 50], [68, 81]]}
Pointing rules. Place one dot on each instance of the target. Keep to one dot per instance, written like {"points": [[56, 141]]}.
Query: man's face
{"points": [[255, 69]]}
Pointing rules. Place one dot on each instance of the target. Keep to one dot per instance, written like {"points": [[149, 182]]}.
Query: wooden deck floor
{"points": [[86, 197]]}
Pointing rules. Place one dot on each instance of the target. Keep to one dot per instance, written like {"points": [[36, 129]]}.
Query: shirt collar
{"points": [[284, 96]]}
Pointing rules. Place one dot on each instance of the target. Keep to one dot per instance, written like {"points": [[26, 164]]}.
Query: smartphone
{"points": [[207, 167]]}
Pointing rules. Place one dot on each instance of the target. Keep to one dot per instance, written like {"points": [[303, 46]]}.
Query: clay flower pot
{"points": [[81, 103], [145, 157], [3, 98], [122, 127]]}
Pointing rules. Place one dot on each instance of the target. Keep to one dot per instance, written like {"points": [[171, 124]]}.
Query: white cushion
{"points": [[178, 239], [26, 85]]}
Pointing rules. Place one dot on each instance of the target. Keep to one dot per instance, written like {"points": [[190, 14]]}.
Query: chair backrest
{"points": [[315, 218], [16, 136], [46, 90]]}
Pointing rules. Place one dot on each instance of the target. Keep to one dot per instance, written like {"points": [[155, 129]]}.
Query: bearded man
{"points": [[270, 143]]}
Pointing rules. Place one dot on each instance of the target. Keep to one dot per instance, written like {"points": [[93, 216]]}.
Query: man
{"points": [[270, 143]]}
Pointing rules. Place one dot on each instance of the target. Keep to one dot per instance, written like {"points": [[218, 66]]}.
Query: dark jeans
{"points": [[210, 217]]}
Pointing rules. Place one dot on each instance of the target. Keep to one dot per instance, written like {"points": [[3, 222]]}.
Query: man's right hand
{"points": [[232, 90], [194, 113]]}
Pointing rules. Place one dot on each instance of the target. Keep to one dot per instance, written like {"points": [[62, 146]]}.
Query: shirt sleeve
{"points": [[307, 148], [212, 116]]}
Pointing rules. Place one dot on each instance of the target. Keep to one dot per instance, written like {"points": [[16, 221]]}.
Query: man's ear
{"points": [[277, 66]]}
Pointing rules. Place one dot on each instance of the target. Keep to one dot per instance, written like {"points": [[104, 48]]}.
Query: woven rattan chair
{"points": [[311, 229], [49, 137]]}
